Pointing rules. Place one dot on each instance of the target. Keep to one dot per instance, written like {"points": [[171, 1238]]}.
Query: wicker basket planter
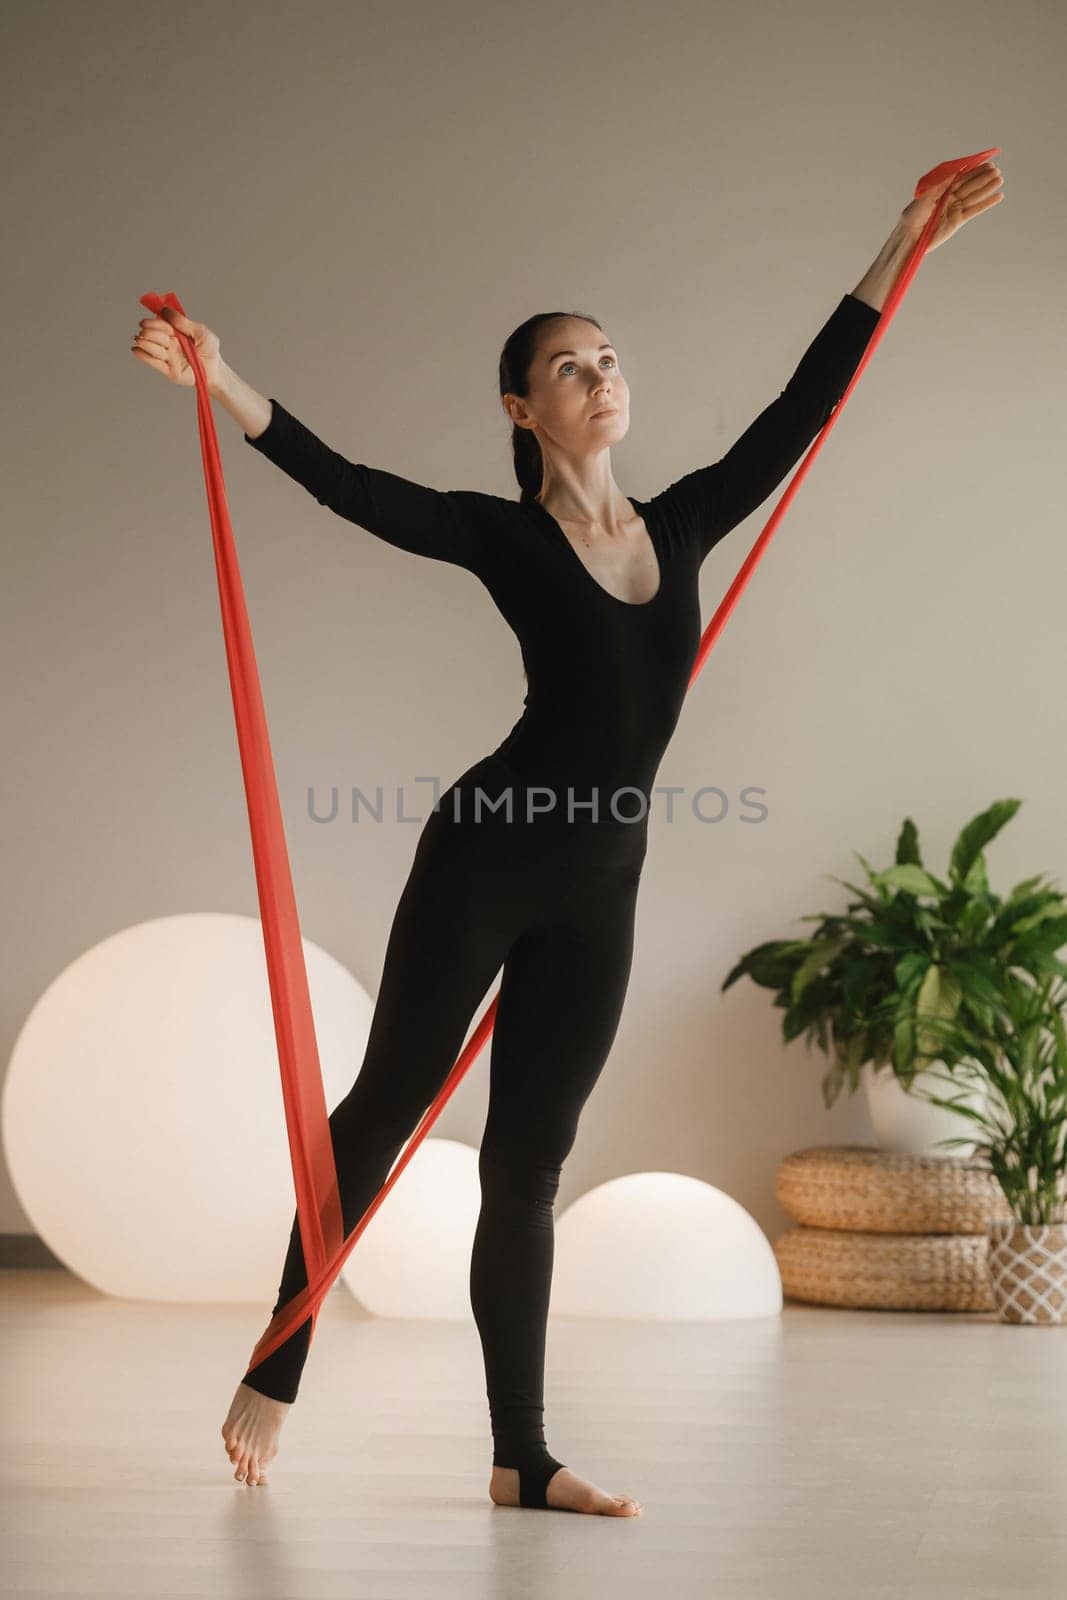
{"points": [[1028, 1271]]}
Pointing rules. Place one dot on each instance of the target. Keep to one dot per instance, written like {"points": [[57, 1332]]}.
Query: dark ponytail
{"points": [[516, 359]]}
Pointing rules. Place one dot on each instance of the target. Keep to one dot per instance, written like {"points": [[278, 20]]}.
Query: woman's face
{"points": [[574, 374]]}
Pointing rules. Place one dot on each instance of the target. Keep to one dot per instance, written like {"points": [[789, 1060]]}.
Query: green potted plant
{"points": [[871, 985], [1021, 1055]]}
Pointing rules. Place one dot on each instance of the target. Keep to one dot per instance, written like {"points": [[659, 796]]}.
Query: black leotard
{"points": [[606, 677], [549, 895]]}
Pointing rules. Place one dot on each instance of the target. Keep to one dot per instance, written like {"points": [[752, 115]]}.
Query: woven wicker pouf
{"points": [[885, 1272], [884, 1230]]}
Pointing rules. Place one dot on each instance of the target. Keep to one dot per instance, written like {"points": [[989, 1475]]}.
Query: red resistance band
{"points": [[314, 1174]]}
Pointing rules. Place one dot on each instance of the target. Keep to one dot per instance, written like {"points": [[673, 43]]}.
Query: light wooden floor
{"points": [[867, 1455]]}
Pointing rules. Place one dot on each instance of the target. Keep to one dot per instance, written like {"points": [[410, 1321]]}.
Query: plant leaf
{"points": [[908, 844], [977, 834], [911, 879]]}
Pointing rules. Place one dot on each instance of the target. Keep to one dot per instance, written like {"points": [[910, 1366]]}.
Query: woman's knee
{"points": [[367, 1126], [523, 1173]]}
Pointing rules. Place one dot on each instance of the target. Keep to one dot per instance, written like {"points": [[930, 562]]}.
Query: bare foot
{"points": [[565, 1491], [251, 1431]]}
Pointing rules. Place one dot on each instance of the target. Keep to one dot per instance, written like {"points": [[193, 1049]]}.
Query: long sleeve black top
{"points": [[606, 677]]}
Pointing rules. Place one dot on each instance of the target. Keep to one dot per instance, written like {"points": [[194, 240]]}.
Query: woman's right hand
{"points": [[157, 345]]}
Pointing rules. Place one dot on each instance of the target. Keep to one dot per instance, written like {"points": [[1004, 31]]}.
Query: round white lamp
{"points": [[143, 1122], [413, 1259], [662, 1246]]}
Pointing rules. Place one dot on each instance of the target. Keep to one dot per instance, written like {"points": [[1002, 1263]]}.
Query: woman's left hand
{"points": [[969, 194]]}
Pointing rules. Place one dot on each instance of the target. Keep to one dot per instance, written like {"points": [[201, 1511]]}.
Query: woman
{"points": [[533, 858]]}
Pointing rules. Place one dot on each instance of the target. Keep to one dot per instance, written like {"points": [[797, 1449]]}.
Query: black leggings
{"points": [[552, 902]]}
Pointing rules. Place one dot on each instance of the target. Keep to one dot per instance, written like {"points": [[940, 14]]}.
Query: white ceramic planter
{"points": [[903, 1121]]}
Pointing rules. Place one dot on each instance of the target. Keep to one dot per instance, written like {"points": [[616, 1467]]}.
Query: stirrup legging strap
{"points": [[318, 1201]]}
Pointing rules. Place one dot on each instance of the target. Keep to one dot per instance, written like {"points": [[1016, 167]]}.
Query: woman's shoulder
{"points": [[490, 506], [499, 532], [491, 517]]}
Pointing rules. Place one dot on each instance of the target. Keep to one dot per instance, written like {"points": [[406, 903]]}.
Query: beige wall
{"points": [[363, 201]]}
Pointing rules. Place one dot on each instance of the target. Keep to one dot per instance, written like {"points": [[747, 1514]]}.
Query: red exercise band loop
{"points": [[318, 1201]]}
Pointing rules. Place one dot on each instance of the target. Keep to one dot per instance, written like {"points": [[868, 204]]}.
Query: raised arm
{"points": [[427, 522], [714, 499]]}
